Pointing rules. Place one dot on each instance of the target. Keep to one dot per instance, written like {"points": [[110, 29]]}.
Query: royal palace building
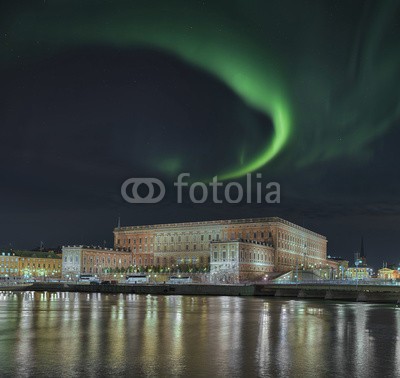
{"points": [[246, 247]]}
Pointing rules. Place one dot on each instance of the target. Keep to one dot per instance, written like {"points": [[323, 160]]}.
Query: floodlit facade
{"points": [[12, 265], [8, 265], [240, 260], [359, 273], [286, 245], [389, 274], [40, 267], [93, 260]]}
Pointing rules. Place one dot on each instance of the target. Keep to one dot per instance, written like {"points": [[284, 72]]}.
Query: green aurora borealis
{"points": [[323, 106], [304, 92]]}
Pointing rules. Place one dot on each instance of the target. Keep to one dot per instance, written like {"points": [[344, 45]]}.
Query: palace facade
{"points": [[256, 246], [236, 249]]}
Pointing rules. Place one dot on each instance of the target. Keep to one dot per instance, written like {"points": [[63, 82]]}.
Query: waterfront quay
{"points": [[327, 291]]}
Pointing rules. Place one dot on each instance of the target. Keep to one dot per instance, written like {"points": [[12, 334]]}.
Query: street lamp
{"points": [[357, 263]]}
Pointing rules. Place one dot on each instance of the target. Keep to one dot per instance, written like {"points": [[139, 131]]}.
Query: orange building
{"points": [[258, 245], [388, 274], [43, 267], [189, 244], [26, 264]]}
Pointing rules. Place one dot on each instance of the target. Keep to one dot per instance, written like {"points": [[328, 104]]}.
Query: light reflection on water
{"points": [[71, 334]]}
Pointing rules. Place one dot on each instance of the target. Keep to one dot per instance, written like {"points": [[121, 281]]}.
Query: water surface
{"points": [[94, 335]]}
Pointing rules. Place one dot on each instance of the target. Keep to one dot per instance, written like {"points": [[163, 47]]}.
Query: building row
{"points": [[244, 249], [13, 264]]}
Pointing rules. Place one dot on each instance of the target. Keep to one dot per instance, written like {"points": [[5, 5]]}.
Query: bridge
{"points": [[332, 290]]}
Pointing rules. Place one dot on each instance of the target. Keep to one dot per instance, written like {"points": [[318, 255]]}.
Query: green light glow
{"points": [[194, 37], [171, 165]]}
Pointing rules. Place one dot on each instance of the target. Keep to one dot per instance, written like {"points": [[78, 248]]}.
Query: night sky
{"points": [[307, 93]]}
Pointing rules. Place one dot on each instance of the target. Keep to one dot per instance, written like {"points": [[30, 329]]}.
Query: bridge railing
{"points": [[337, 282]]}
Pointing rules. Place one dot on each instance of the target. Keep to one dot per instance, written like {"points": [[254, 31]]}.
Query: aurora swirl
{"points": [[326, 89], [231, 57]]}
